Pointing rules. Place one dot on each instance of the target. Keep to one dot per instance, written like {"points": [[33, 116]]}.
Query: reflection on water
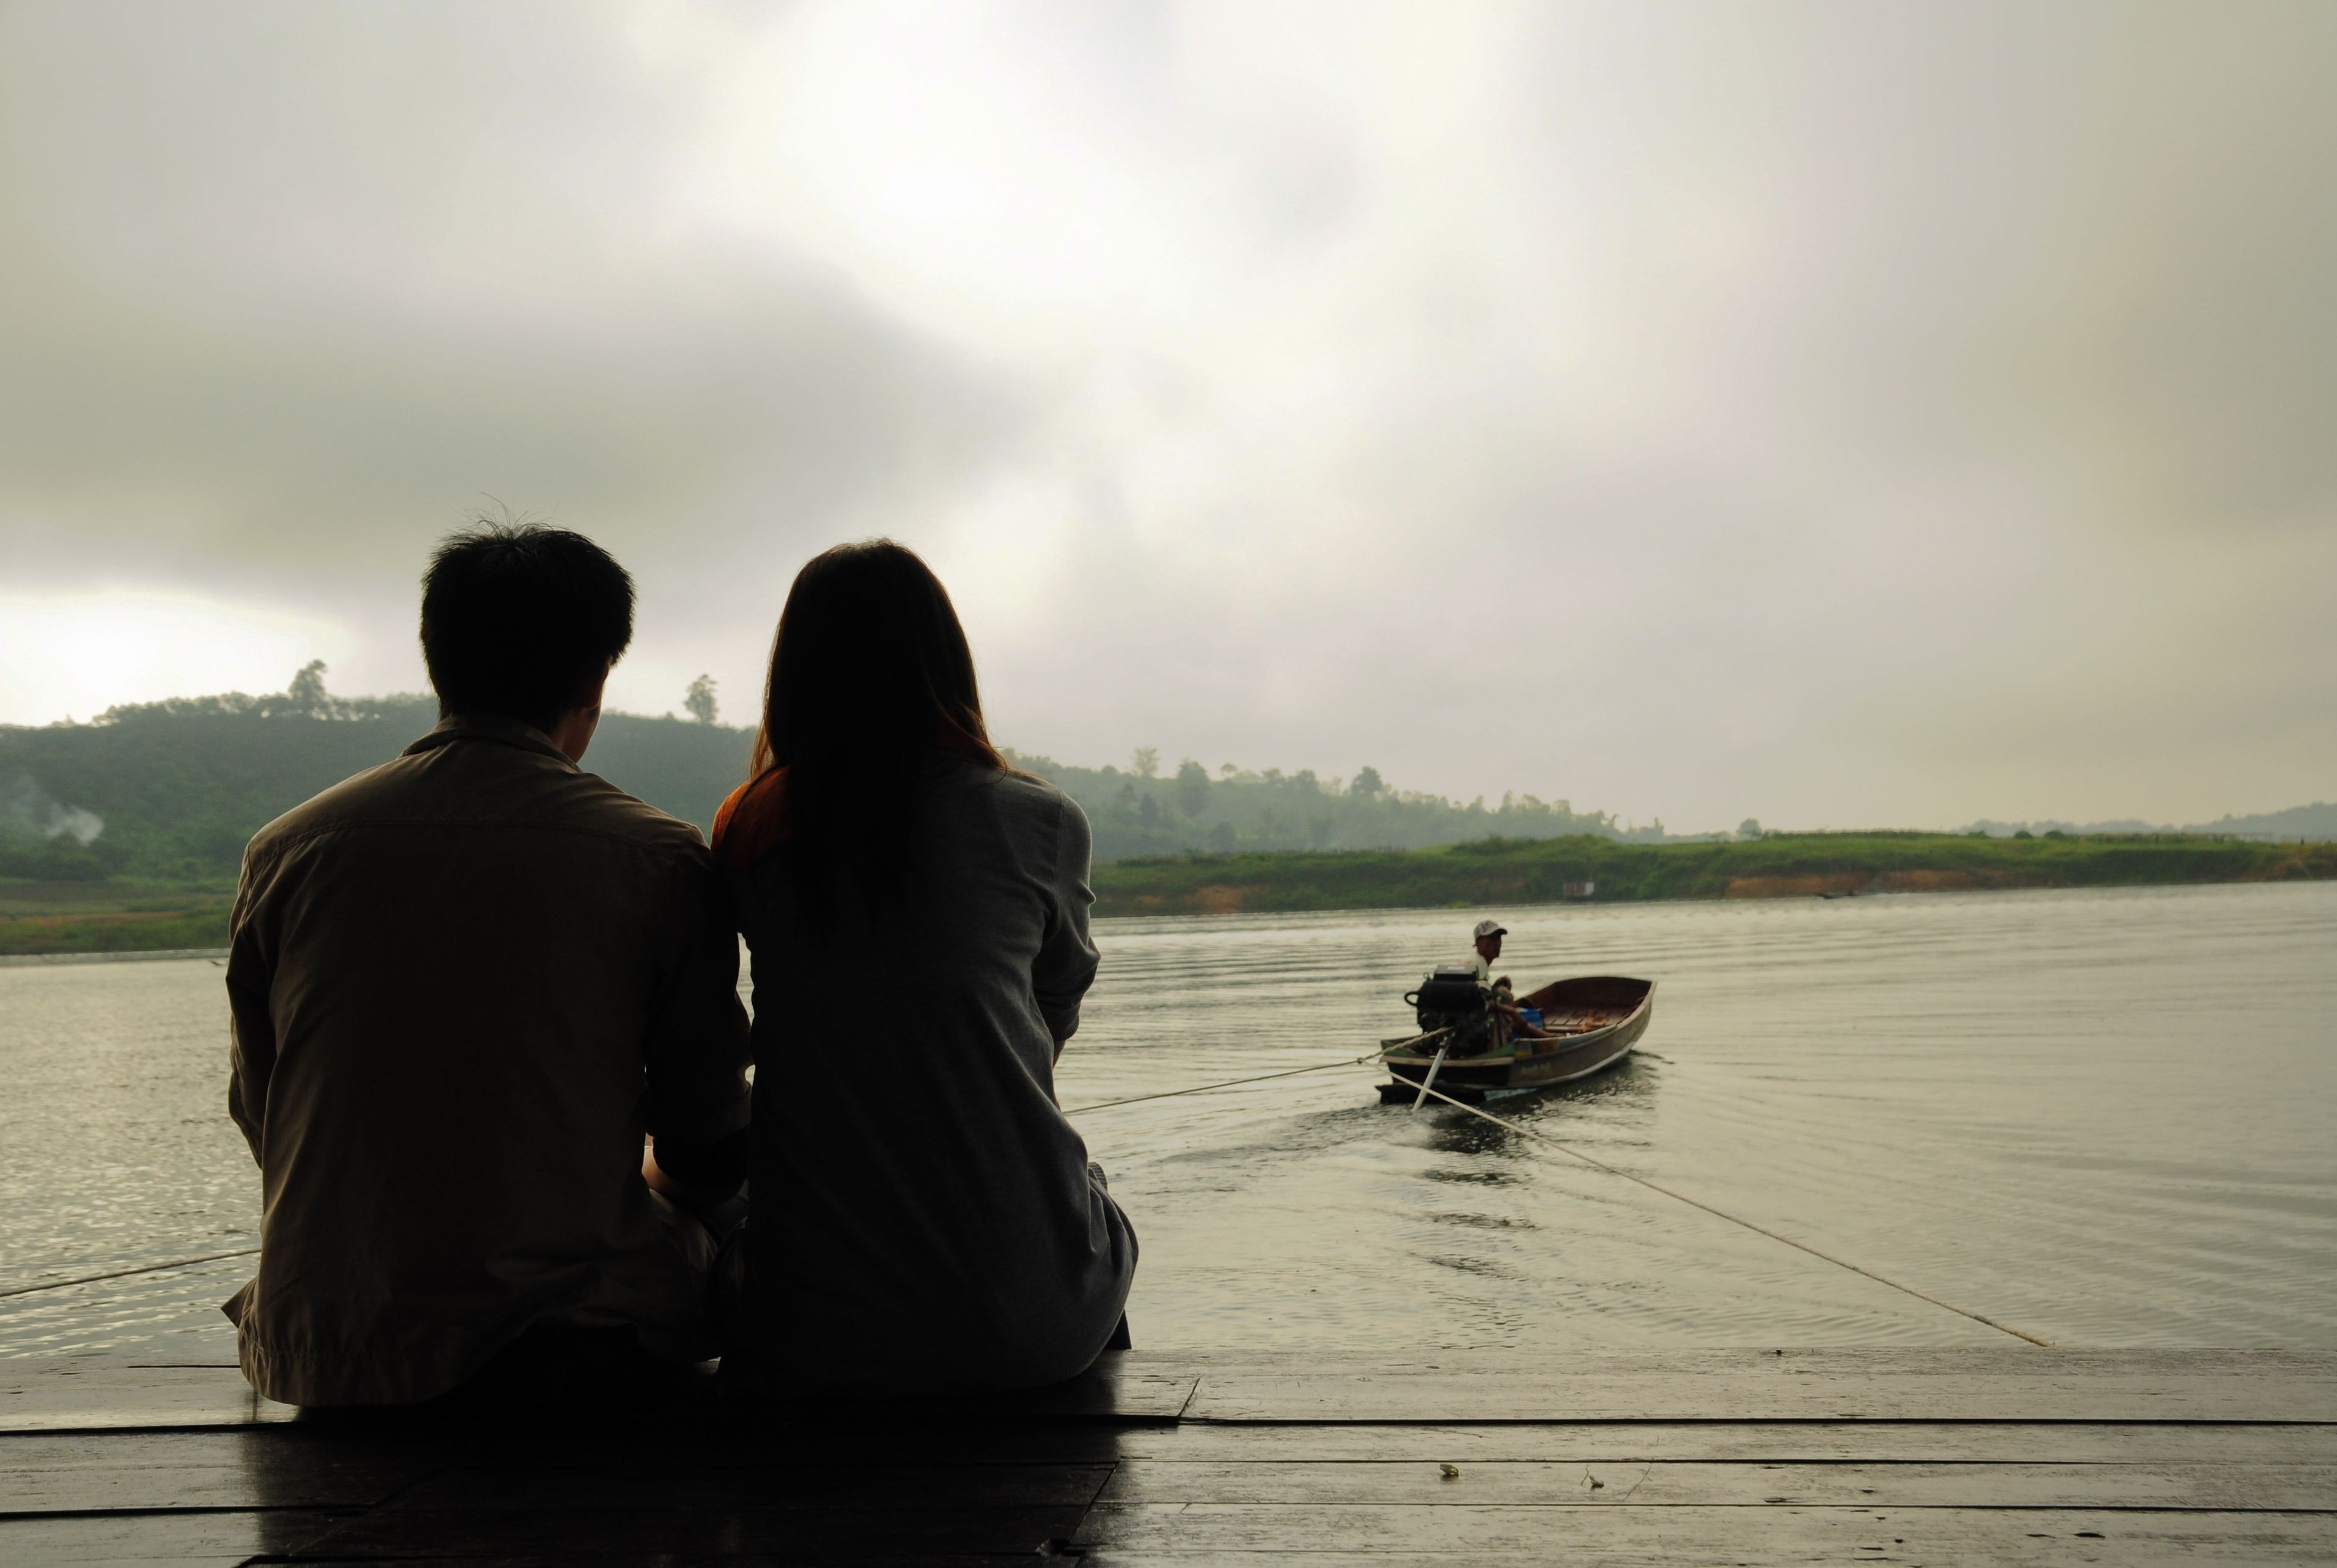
{"points": [[2100, 1116]]}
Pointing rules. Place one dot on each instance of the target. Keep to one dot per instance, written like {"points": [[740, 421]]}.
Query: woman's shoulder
{"points": [[1033, 812], [751, 821], [1030, 791]]}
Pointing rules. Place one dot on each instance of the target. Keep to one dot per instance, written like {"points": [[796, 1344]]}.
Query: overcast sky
{"points": [[1841, 415]]}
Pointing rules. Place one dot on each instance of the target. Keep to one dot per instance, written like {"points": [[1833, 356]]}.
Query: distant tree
{"points": [[306, 691], [1750, 828], [1192, 787], [1221, 838], [1147, 812], [1367, 785], [699, 701], [2022, 834], [1146, 762]]}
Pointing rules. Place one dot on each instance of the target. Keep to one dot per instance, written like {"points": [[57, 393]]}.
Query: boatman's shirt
{"points": [[1476, 960], [464, 985]]}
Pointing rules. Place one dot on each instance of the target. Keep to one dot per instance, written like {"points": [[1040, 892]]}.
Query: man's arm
{"points": [[697, 1051], [699, 1175], [251, 1030]]}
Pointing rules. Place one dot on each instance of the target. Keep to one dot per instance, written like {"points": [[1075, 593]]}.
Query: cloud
{"points": [[296, 288], [1823, 413]]}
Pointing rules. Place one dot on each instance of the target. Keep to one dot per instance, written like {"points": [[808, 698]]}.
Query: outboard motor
{"points": [[1452, 999]]}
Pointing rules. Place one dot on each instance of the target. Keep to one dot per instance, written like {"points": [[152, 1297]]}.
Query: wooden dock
{"points": [[1914, 1457]]}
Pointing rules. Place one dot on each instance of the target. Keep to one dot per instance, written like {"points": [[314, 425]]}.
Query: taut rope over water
{"points": [[125, 1273], [1229, 1082], [1598, 1163], [1502, 1122], [1739, 1219]]}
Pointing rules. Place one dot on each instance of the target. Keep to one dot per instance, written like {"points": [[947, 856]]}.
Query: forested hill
{"points": [[171, 791], [1139, 812]]}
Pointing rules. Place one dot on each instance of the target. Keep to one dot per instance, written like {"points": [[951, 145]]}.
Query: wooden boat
{"points": [[1592, 1023]]}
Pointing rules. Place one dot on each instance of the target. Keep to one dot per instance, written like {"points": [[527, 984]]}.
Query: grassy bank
{"points": [[82, 917], [112, 917], [1781, 865]]}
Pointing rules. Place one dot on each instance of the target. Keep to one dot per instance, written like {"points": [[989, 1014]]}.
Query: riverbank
{"points": [[45, 918], [102, 917], [1602, 870]]}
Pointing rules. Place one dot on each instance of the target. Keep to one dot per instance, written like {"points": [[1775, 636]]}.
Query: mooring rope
{"points": [[1436, 1094], [1738, 1220], [1599, 1165], [125, 1274], [1229, 1082]]}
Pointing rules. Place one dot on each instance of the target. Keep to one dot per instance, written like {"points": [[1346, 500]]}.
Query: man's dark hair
{"points": [[519, 620]]}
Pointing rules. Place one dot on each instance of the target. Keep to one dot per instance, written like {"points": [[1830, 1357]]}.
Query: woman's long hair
{"points": [[870, 675]]}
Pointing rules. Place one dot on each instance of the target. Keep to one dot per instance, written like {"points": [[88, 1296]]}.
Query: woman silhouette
{"points": [[923, 1216]]}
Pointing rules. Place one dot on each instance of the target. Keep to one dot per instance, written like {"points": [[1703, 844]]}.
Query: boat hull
{"points": [[1603, 1018]]}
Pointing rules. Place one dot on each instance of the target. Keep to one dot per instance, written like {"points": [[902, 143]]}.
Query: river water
{"points": [[2103, 1117]]}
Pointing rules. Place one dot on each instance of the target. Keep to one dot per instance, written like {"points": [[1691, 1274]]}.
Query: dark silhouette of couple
{"points": [[490, 1055]]}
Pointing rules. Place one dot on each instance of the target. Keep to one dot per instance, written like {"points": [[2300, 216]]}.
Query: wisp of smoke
{"points": [[29, 811]]}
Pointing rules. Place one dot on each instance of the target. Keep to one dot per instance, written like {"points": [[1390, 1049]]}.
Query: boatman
{"points": [[1488, 947]]}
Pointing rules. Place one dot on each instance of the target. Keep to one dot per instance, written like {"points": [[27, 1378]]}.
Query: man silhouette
{"points": [[464, 985]]}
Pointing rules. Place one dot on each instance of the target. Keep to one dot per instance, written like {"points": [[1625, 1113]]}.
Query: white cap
{"points": [[1491, 929]]}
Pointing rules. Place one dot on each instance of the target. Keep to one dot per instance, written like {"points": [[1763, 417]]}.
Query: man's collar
{"points": [[508, 732]]}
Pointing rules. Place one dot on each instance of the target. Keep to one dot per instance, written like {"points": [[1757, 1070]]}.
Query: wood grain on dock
{"points": [[1968, 1455]]}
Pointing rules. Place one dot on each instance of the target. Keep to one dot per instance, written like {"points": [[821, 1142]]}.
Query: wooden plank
{"points": [[909, 1442], [2009, 1359], [740, 1486], [97, 1393], [1112, 1391], [1017, 1559], [1612, 1442], [264, 1468], [313, 1466], [84, 1394], [1666, 1484], [78, 1394], [1118, 1534], [1476, 1399], [669, 1534], [184, 1540], [1623, 1442]]}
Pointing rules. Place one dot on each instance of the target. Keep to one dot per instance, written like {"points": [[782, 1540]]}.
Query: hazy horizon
{"points": [[1826, 414], [1165, 761]]}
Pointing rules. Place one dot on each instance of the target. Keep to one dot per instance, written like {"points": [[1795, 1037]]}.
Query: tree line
{"points": [[172, 791], [1139, 810]]}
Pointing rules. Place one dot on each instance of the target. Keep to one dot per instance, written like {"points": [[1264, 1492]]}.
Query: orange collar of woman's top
{"points": [[753, 822]]}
